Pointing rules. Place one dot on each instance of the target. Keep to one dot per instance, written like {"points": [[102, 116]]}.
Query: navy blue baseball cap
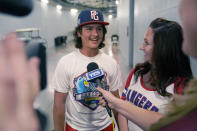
{"points": [[90, 16]]}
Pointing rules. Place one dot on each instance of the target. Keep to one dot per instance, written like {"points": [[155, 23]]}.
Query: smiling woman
{"points": [[147, 46], [151, 85]]}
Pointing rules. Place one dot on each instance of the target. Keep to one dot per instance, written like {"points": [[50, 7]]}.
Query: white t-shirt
{"points": [[136, 93], [82, 109]]}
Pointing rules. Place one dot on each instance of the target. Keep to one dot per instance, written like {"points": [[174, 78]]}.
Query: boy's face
{"points": [[91, 35], [188, 14]]}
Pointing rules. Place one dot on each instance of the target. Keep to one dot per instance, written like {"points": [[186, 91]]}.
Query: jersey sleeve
{"points": [[179, 85], [127, 84], [60, 79]]}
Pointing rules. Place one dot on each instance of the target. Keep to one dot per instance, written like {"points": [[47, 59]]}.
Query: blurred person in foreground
{"points": [[19, 84], [151, 85]]}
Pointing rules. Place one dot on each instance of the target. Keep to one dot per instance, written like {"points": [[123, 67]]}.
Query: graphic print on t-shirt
{"points": [[138, 99], [85, 92]]}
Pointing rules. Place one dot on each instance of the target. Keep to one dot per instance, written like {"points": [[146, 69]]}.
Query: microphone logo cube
{"points": [[98, 73]]}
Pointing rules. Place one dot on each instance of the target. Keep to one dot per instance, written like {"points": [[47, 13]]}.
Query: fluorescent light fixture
{"points": [[136, 11], [110, 11], [45, 1], [73, 11], [59, 7], [110, 16], [117, 2]]}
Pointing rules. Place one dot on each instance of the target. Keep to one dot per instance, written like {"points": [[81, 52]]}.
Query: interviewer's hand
{"points": [[19, 84], [108, 96]]}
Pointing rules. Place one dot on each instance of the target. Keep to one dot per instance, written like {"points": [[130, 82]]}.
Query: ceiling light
{"points": [[110, 11], [73, 11], [110, 16], [117, 2], [45, 1], [59, 7]]}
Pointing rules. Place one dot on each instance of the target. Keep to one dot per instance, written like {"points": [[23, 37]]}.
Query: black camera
{"points": [[34, 47], [38, 49]]}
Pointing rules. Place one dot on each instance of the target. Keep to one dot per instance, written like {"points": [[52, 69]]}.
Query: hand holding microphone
{"points": [[108, 97], [95, 75]]}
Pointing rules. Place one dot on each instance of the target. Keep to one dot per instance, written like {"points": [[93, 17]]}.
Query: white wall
{"points": [[50, 22], [113, 26], [123, 19]]}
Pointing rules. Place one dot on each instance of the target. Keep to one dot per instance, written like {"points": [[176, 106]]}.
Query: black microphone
{"points": [[95, 75], [16, 7]]}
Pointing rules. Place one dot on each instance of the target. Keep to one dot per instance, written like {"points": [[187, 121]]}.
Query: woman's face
{"points": [[147, 45]]}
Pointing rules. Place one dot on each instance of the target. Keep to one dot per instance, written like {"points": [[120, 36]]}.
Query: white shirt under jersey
{"points": [[82, 110], [137, 94]]}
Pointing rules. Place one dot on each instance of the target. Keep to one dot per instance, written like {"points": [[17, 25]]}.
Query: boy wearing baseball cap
{"points": [[76, 99]]}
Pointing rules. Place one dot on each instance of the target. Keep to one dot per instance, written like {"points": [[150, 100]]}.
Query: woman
{"points": [[151, 85], [183, 115]]}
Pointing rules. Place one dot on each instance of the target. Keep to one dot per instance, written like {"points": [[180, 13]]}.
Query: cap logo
{"points": [[94, 15]]}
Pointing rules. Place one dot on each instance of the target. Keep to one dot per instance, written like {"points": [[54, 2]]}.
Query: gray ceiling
{"points": [[107, 6]]}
